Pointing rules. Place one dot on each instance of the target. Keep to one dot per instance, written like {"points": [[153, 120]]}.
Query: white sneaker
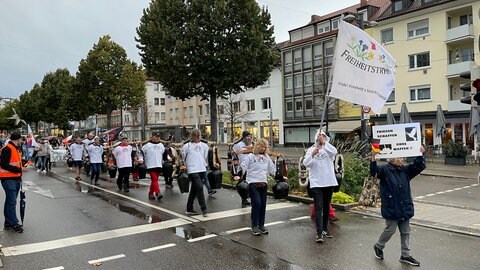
{"points": [[44, 172], [38, 170]]}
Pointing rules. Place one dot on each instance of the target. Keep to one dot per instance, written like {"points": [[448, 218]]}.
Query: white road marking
{"points": [[440, 192], [89, 238], [450, 190], [457, 188], [430, 195], [274, 223], [39, 190], [138, 201], [474, 185], [237, 230], [55, 268], [300, 218], [242, 211], [420, 197], [107, 259], [201, 238], [158, 247]]}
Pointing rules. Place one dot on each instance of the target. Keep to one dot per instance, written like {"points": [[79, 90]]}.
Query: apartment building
{"points": [[433, 41], [306, 65]]}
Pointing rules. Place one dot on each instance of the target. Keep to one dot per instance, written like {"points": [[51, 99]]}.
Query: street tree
{"points": [[207, 48], [28, 107], [56, 88], [231, 109], [108, 81]]}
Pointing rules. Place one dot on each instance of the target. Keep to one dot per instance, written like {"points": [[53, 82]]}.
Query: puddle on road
{"points": [[118, 204], [189, 232]]}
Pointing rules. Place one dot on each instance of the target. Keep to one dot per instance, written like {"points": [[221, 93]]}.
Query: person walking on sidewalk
{"points": [[44, 150], [195, 153], [319, 159], [240, 148], [76, 150], [95, 152], [258, 165], [11, 177], [153, 155], [123, 156], [397, 204]]}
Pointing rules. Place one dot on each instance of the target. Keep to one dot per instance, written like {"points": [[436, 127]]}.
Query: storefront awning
{"points": [[344, 126]]}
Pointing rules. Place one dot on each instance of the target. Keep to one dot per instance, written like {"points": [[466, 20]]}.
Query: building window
{"points": [[266, 103], [391, 98], [297, 57], [220, 109], [157, 117], [236, 106], [288, 82], [185, 112], [162, 101], [420, 93], [207, 109], [156, 87], [289, 106], [317, 51], [387, 35], [323, 27], [397, 6], [363, 14], [418, 28], [287, 57], [335, 24], [297, 80], [466, 19], [200, 110], [162, 114], [171, 113], [308, 103], [251, 105], [419, 60], [175, 114], [298, 104], [329, 52], [307, 77], [156, 101], [190, 109]]}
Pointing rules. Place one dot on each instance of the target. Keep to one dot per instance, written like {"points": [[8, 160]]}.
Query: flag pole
{"points": [[327, 93]]}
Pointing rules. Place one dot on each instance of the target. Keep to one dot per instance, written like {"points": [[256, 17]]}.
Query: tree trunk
{"points": [[232, 128], [109, 118], [371, 192], [213, 115]]}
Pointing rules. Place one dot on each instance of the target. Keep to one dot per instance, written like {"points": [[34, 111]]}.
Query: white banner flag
{"points": [[32, 138], [363, 71]]}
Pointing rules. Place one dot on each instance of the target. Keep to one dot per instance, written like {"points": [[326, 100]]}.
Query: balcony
{"points": [[453, 70], [459, 34], [456, 105]]}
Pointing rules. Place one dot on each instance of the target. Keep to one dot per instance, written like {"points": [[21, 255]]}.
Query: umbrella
{"points": [[390, 117], [474, 122], [405, 115], [22, 205], [440, 122]]}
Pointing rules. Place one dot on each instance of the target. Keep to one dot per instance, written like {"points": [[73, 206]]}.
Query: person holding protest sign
{"points": [[397, 203]]}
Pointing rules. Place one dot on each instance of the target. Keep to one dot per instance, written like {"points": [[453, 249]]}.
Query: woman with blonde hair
{"points": [[258, 165]]}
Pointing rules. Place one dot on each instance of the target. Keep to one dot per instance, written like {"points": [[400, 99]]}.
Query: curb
{"points": [[458, 230], [306, 200]]}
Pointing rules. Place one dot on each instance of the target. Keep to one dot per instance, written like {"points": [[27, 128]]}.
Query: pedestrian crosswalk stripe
{"points": [[107, 259], [299, 218], [158, 247], [274, 223], [242, 211], [201, 238], [237, 230], [93, 237], [55, 268]]}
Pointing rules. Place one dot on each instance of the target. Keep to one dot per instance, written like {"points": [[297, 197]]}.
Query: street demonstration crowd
{"points": [[196, 163]]}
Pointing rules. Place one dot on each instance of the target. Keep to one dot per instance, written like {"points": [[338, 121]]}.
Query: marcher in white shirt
{"points": [[153, 156], [240, 148], [76, 150], [195, 153], [123, 157], [319, 159], [258, 165], [95, 152]]}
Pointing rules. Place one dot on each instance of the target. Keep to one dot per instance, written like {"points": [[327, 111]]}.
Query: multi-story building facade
{"points": [[433, 41], [306, 65]]}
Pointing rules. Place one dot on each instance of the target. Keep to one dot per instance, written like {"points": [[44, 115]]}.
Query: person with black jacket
{"points": [[168, 161], [11, 177], [397, 204]]}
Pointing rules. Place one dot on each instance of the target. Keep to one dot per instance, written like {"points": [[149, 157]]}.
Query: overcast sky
{"points": [[37, 37]]}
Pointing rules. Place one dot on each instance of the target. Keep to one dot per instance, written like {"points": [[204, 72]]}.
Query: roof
{"points": [[414, 5], [345, 126]]}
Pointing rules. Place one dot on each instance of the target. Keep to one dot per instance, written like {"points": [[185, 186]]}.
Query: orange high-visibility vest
{"points": [[15, 160]]}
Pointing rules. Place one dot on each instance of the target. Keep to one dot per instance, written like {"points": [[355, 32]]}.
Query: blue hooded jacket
{"points": [[397, 203]]}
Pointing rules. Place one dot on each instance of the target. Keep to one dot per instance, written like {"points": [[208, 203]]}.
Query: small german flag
{"points": [[375, 143]]}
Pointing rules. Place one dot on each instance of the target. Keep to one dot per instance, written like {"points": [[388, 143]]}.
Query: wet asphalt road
{"points": [[84, 224]]}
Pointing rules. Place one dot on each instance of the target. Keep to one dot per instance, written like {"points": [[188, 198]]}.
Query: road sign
{"points": [[366, 109]]}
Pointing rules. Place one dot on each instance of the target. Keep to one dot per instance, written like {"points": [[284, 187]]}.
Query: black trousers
{"points": [[123, 178], [322, 196]]}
